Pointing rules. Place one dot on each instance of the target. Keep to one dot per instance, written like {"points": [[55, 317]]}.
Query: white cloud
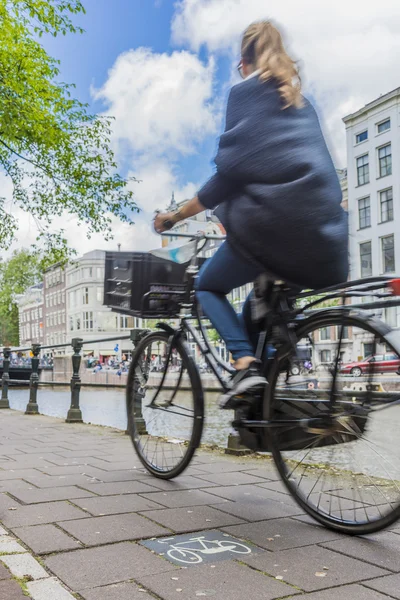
{"points": [[350, 51], [161, 103]]}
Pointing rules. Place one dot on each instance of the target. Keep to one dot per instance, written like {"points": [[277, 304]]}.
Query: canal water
{"points": [[107, 407]]}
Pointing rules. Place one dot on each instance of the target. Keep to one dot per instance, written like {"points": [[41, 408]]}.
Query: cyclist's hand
{"points": [[164, 221]]}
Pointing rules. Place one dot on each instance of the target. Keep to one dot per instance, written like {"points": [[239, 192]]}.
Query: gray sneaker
{"points": [[244, 385]]}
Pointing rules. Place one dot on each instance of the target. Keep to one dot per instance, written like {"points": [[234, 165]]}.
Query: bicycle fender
{"points": [[392, 336], [363, 315]]}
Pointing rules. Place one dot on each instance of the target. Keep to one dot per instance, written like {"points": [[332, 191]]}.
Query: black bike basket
{"points": [[143, 285]]}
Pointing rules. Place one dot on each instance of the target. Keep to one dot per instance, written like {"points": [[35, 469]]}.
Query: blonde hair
{"points": [[263, 47]]}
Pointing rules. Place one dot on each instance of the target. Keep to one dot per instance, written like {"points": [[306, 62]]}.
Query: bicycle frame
{"points": [[281, 314]]}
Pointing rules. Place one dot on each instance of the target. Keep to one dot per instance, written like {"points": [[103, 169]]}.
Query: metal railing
{"points": [[32, 408]]}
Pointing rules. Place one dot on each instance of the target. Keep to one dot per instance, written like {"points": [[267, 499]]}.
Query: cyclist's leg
{"points": [[224, 272]]}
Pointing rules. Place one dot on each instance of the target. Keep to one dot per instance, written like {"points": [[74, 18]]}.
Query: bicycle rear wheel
{"points": [[165, 404], [340, 461]]}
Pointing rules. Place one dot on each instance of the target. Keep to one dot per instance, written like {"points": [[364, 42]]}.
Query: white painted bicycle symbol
{"points": [[190, 551]]}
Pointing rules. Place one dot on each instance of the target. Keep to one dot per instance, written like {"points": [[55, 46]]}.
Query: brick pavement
{"points": [[75, 505]]}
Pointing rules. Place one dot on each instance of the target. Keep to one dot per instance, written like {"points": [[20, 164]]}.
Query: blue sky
{"points": [[113, 27]]}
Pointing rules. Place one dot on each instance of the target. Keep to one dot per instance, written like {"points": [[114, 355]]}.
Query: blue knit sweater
{"points": [[276, 188]]}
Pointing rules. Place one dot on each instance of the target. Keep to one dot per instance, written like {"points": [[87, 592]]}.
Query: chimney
{"points": [[119, 247]]}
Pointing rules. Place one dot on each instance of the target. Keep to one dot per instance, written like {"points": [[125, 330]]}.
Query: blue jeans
{"points": [[221, 274]]}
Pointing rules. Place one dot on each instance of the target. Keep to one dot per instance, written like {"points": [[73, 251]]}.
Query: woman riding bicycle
{"points": [[278, 197]]}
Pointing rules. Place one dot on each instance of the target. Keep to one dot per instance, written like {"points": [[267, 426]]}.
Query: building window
{"points": [[99, 273], [325, 333], [71, 323], [345, 335], [325, 356], [85, 296], [361, 137], [364, 213], [388, 262], [99, 295], [366, 259], [386, 205], [63, 317], [385, 160], [58, 297], [78, 322], [88, 320], [40, 312], [126, 322], [384, 126], [363, 170], [87, 272]]}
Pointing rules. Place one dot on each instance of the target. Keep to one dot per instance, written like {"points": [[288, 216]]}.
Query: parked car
{"points": [[378, 363]]}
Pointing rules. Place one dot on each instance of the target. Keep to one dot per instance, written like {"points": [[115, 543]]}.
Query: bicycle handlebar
{"points": [[200, 235]]}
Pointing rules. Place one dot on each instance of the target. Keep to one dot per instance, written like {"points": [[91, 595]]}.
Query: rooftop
{"points": [[383, 98]]}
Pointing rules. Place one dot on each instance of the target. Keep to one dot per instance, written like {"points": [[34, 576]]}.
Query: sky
{"points": [[163, 69]]}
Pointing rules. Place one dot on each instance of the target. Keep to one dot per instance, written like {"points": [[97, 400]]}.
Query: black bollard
{"points": [[32, 406], [4, 403], [75, 413], [136, 336]]}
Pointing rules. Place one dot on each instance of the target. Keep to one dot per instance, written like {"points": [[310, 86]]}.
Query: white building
{"points": [[373, 170], [30, 311], [87, 317]]}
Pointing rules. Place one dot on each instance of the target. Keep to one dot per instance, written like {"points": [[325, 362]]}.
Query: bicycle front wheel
{"points": [[165, 404], [335, 442]]}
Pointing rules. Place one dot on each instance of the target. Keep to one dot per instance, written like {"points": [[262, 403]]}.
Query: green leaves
{"points": [[57, 155]]}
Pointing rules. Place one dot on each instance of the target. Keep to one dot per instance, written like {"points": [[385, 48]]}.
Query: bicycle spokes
{"points": [[341, 460]]}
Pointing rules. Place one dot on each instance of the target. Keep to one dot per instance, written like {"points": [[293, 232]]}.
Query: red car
{"points": [[379, 363]]}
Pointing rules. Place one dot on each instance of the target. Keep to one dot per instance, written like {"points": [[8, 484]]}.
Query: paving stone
{"points": [[123, 487], [232, 478], [120, 591], [35, 496], [104, 565], [195, 518], [48, 512], [225, 580], [45, 539], [282, 534], [346, 592], [4, 573], [124, 475], [113, 505], [382, 549], [267, 472], [5, 504], [55, 481], [115, 528], [390, 585], [106, 466], [250, 494], [48, 589], [16, 486], [183, 498], [300, 565], [69, 470], [24, 565], [256, 510], [188, 482], [221, 466], [11, 590], [8, 544], [19, 474]]}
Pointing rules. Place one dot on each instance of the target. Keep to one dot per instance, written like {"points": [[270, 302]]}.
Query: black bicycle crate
{"points": [[143, 285]]}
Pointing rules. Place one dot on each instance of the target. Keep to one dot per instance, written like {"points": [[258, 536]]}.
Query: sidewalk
{"points": [[82, 517]]}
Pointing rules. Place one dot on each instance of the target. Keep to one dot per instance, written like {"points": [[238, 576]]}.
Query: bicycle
{"points": [[330, 443]]}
